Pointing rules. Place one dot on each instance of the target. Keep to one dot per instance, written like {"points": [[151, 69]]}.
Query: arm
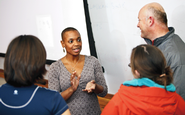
{"points": [[93, 87], [67, 93], [74, 84], [53, 77], [98, 89], [98, 85], [101, 87], [67, 112], [177, 64], [179, 79], [59, 105], [54, 82]]}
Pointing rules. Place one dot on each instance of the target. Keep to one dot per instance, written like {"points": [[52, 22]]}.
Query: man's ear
{"points": [[151, 21], [137, 74], [62, 43]]}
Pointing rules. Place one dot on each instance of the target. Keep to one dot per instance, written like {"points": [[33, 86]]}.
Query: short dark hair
{"points": [[66, 30], [25, 61], [150, 62]]}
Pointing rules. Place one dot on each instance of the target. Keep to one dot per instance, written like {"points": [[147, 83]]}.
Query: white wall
{"points": [[45, 19]]}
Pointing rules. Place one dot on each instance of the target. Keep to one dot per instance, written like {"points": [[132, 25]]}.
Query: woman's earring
{"points": [[64, 49]]}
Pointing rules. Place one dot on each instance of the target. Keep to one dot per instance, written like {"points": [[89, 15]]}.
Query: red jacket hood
{"points": [[149, 100]]}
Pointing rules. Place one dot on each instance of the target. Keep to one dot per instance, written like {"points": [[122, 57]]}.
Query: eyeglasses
{"points": [[129, 65]]}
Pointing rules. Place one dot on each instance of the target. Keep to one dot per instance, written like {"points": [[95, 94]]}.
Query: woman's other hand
{"points": [[90, 87]]}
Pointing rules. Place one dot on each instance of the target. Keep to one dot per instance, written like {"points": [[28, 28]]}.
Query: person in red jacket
{"points": [[151, 91]]}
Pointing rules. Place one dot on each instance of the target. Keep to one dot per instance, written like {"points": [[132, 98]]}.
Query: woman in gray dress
{"points": [[79, 78]]}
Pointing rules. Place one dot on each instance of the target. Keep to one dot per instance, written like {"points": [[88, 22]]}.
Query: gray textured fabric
{"points": [[173, 49], [80, 103]]}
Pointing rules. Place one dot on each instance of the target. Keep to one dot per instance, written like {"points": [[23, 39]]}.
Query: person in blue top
{"points": [[25, 64]]}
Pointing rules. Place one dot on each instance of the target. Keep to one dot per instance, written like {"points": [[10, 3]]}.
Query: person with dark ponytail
{"points": [[151, 91]]}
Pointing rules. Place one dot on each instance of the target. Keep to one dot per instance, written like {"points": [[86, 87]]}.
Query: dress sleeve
{"points": [[99, 78], [59, 104], [53, 77]]}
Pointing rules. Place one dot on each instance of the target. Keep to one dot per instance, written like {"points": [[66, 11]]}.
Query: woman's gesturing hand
{"points": [[74, 81], [90, 87]]}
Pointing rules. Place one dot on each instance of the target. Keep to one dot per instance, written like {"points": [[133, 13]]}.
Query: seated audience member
{"points": [[25, 64], [151, 91]]}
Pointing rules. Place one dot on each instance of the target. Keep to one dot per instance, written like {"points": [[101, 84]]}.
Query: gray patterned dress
{"points": [[80, 103]]}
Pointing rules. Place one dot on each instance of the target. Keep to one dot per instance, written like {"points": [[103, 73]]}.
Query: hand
{"points": [[90, 87], [74, 81]]}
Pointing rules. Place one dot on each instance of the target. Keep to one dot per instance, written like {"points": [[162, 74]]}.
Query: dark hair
{"points": [[66, 30], [159, 15], [24, 61], [150, 62]]}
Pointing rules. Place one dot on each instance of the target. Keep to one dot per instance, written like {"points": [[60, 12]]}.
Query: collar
{"points": [[161, 39], [148, 82]]}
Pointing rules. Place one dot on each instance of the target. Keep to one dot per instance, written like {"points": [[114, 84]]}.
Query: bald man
{"points": [[154, 29]]}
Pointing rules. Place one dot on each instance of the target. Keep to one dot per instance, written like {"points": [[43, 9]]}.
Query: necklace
{"points": [[73, 67]]}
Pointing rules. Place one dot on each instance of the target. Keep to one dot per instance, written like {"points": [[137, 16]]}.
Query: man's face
{"points": [[142, 24]]}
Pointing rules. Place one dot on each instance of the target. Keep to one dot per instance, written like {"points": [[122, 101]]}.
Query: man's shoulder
{"points": [[173, 50], [173, 44]]}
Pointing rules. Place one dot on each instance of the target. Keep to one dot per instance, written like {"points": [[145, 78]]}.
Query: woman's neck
{"points": [[72, 58]]}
